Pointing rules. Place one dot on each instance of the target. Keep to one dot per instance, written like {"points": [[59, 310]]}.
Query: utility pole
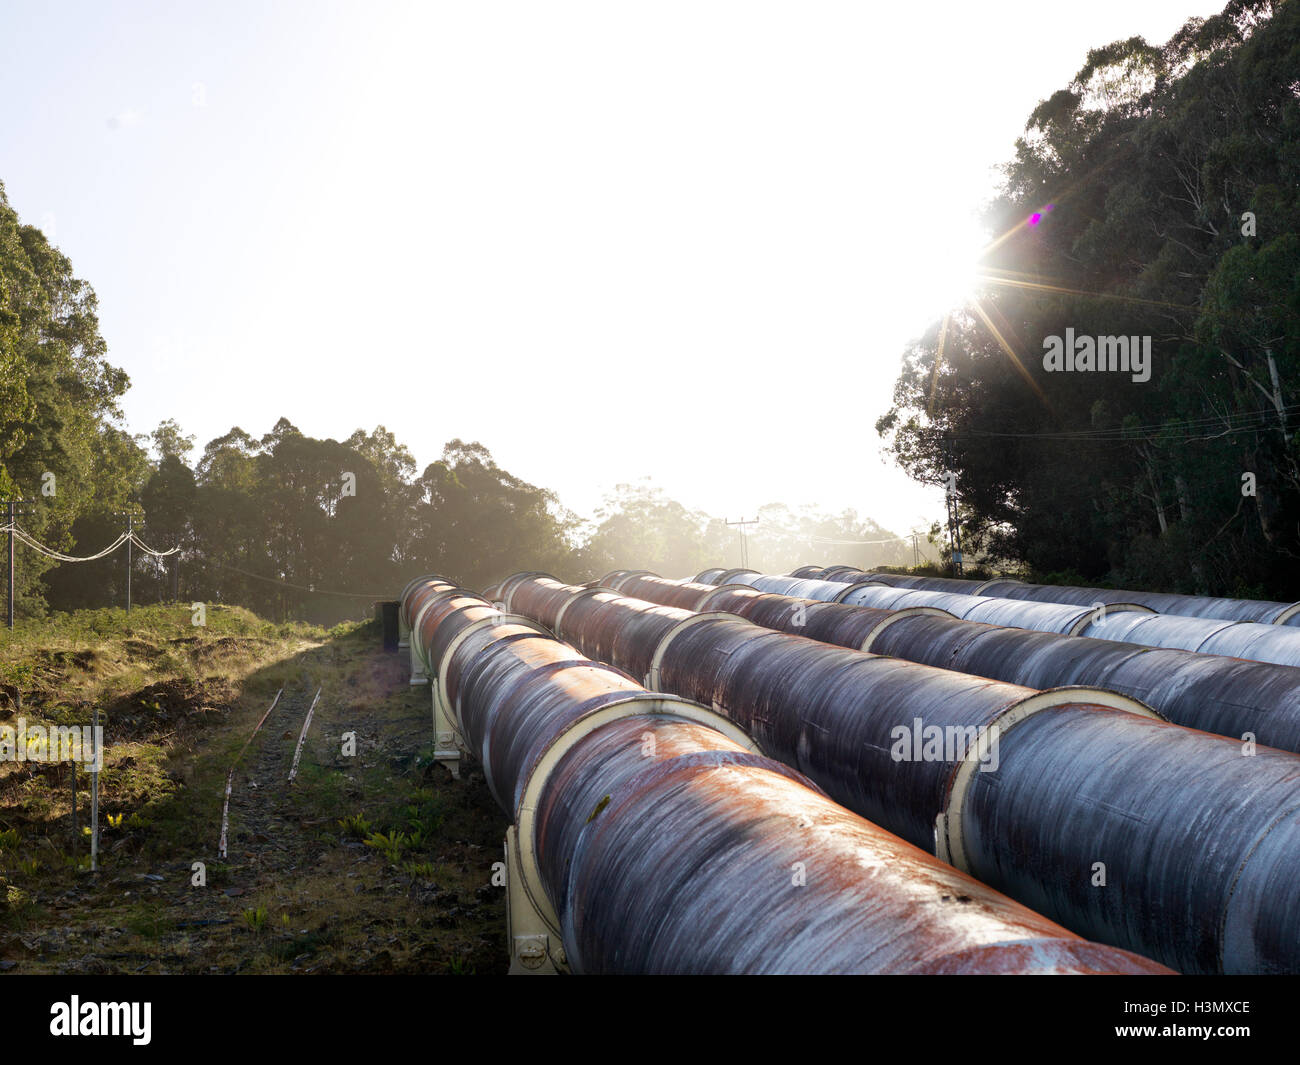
{"points": [[130, 516], [13, 514], [954, 532], [130, 531], [954, 518], [744, 542]]}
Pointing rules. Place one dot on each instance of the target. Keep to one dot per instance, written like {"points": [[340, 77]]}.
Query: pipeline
{"points": [[650, 835], [1043, 617], [1192, 606], [684, 594], [416, 594], [1120, 622], [1197, 847], [419, 594], [845, 626], [1255, 701]]}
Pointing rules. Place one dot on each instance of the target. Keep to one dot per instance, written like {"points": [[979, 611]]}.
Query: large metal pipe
{"points": [[911, 747], [418, 597], [828, 622], [1214, 693], [684, 594], [1122, 622], [1193, 606], [1043, 617], [703, 859], [419, 592], [655, 838], [806, 571], [1227, 695]]}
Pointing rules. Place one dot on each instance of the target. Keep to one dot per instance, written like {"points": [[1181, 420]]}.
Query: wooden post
{"points": [[94, 795]]}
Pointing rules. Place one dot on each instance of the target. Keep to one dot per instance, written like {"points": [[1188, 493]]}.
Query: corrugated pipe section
{"points": [[653, 837], [1163, 840], [1192, 606]]}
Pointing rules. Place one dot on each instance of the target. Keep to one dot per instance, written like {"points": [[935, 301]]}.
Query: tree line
{"points": [[293, 526], [1155, 196]]}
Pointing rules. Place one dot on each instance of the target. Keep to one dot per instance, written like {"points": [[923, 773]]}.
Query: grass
{"points": [[300, 890]]}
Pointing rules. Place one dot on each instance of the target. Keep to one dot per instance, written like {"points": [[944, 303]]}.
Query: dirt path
{"points": [[299, 892]]}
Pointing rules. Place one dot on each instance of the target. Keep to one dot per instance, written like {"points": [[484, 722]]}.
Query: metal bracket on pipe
{"points": [[532, 951], [446, 739], [899, 615], [417, 667], [949, 842], [525, 872], [559, 616], [652, 678]]}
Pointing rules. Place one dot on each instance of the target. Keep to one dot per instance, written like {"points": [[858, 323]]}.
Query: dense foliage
{"points": [[1158, 194]]}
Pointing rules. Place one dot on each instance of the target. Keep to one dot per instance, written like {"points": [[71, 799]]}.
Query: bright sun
{"points": [[949, 277]]}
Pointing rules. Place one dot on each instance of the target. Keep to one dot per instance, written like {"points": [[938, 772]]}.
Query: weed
{"points": [[390, 845], [355, 826]]}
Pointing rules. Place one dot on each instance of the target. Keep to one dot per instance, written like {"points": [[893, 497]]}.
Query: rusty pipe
{"points": [[684, 594], [1251, 701], [1044, 617], [866, 727], [1195, 606], [1121, 622], [705, 859], [661, 841]]}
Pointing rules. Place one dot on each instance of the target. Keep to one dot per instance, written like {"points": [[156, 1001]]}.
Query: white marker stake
{"points": [[230, 777], [302, 736], [94, 794], [225, 814]]}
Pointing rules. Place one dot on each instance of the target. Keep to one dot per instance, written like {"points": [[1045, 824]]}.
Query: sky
{"points": [[609, 240]]}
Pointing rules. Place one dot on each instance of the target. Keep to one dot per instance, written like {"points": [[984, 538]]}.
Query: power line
{"points": [[859, 543], [1238, 422], [150, 551], [299, 587], [27, 540]]}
